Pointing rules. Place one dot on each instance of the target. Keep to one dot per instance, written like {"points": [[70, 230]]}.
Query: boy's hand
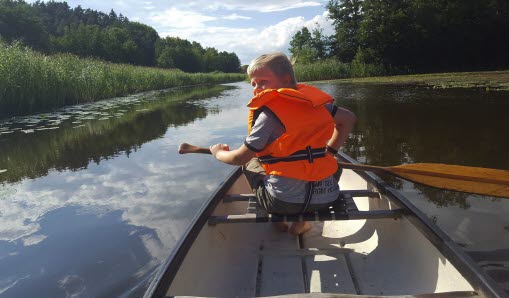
{"points": [[214, 149]]}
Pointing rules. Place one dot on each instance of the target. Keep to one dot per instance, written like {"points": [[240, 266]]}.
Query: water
{"points": [[92, 210], [400, 124], [94, 197]]}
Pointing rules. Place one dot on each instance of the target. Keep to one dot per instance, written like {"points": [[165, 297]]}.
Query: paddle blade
{"points": [[482, 181]]}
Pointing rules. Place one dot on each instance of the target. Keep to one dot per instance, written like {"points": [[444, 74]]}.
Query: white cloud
{"points": [[236, 17], [279, 7], [120, 5], [259, 6], [176, 18]]}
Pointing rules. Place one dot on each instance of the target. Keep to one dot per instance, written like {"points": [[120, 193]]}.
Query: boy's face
{"points": [[264, 79]]}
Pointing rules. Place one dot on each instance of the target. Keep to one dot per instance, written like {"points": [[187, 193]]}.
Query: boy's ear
{"points": [[287, 80]]}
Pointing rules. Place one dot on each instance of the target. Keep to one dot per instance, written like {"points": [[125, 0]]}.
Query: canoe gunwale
{"points": [[167, 272], [445, 245]]}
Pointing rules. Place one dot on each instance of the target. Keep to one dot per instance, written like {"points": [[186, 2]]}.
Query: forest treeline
{"points": [[54, 27], [411, 35]]}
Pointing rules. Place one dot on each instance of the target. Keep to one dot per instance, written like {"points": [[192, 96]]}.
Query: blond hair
{"points": [[277, 62]]}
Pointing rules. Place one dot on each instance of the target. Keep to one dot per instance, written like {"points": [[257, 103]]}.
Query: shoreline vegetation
{"points": [[32, 82], [332, 70], [497, 80]]}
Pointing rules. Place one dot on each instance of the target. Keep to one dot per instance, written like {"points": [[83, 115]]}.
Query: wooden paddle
{"points": [[482, 181]]}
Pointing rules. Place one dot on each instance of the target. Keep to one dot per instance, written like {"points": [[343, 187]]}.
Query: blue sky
{"points": [[248, 28]]}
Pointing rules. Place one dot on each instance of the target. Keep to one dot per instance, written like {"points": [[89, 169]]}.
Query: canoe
{"points": [[373, 243]]}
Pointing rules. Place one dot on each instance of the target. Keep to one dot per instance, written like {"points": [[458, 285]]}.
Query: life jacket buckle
{"points": [[310, 154]]}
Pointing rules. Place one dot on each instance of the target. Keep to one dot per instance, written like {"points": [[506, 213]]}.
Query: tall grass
{"points": [[333, 69], [32, 82]]}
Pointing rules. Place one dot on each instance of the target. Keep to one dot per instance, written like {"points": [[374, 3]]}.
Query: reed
{"points": [[333, 69], [32, 82]]}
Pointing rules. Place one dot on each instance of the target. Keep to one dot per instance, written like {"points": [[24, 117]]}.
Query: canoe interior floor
{"points": [[300, 269]]}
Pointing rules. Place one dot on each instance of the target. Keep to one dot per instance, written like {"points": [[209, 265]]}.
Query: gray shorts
{"points": [[255, 174]]}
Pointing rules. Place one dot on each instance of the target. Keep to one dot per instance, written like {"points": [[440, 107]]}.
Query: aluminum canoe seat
{"points": [[344, 209]]}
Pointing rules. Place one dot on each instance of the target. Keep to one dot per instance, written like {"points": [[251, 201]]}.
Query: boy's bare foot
{"points": [[281, 226], [299, 228]]}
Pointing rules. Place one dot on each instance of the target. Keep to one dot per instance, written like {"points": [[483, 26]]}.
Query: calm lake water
{"points": [[94, 197]]}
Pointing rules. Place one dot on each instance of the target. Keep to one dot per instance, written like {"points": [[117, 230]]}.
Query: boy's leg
{"points": [[255, 173], [299, 228]]}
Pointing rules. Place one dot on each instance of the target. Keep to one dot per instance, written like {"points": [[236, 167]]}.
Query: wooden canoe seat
{"points": [[344, 209]]}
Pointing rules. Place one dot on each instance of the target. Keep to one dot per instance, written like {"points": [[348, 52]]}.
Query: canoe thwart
{"points": [[352, 193], [343, 209], [317, 216]]}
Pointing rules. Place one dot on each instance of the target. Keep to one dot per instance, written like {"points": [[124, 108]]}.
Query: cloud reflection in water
{"points": [[103, 230]]}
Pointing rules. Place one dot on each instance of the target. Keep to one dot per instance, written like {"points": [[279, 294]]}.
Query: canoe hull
{"points": [[404, 256], [371, 257]]}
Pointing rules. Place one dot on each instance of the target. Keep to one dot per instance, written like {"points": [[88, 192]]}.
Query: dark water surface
{"points": [[94, 197], [410, 124]]}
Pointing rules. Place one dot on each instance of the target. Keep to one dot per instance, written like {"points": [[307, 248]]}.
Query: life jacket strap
{"points": [[309, 195], [306, 154]]}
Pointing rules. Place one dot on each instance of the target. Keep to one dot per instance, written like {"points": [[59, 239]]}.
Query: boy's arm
{"points": [[261, 132], [344, 120], [237, 157]]}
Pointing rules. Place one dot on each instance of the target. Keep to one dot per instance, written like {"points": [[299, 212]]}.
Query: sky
{"points": [[247, 28]]}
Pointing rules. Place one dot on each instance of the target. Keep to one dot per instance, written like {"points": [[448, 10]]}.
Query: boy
{"points": [[294, 132]]}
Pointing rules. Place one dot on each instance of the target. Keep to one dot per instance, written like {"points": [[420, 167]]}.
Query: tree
{"points": [[320, 43], [346, 16], [145, 38], [308, 47], [301, 47], [18, 21], [82, 40], [178, 53], [118, 45]]}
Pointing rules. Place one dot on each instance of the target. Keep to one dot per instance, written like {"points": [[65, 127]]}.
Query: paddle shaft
{"points": [[188, 148], [468, 179]]}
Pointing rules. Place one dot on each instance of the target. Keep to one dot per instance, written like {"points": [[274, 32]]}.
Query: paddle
{"points": [[482, 181]]}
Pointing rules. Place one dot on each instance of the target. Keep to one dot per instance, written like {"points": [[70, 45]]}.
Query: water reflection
{"points": [[95, 131], [450, 126], [112, 202], [55, 246]]}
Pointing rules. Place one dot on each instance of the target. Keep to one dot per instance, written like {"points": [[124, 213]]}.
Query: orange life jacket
{"points": [[300, 152]]}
